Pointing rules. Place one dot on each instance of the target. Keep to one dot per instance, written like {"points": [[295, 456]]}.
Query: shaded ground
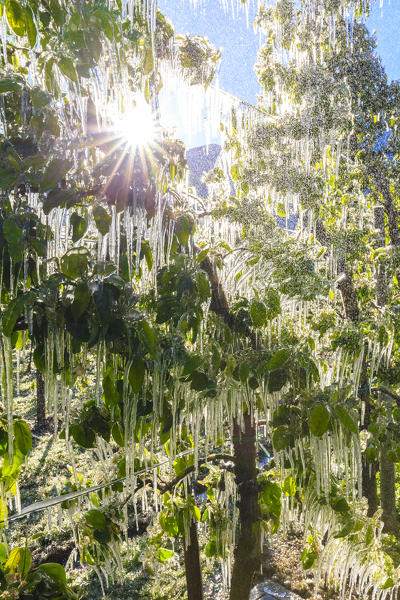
{"points": [[282, 563]]}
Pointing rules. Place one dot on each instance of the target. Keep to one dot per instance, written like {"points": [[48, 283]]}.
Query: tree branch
{"points": [[167, 487], [213, 457], [388, 392], [219, 302]]}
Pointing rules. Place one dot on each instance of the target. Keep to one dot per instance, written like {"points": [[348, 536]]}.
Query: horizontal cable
{"points": [[55, 500]]}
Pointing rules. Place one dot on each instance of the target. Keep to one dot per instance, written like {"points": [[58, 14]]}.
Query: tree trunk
{"points": [[40, 402], [247, 556], [369, 470], [369, 486], [192, 565], [387, 471], [388, 498]]}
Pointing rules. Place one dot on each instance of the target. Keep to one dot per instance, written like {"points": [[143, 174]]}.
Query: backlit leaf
{"points": [[16, 17], [23, 436]]}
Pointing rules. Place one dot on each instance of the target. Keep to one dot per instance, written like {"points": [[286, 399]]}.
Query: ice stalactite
{"points": [[356, 566]]}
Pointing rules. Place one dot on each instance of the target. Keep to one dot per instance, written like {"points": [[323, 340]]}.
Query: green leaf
{"points": [[55, 172], [13, 311], [289, 486], [202, 255], [281, 438], [67, 68], [253, 383], [31, 30], [184, 227], [3, 553], [12, 232], [9, 85], [105, 22], [180, 465], [369, 535], [203, 286], [164, 554], [340, 505], [118, 434], [345, 419], [148, 336], [168, 524], [346, 529], [57, 12], [276, 380], [111, 395], [101, 218], [55, 571], [39, 357], [245, 188], [148, 60], [211, 549], [23, 436], [81, 301], [59, 197], [25, 562], [279, 359], [273, 302], [258, 313], [74, 263], [84, 437], [281, 211], [199, 381], [79, 226], [235, 172], [270, 500], [319, 420], [308, 558], [192, 364], [39, 99], [136, 374], [271, 496], [244, 372], [145, 248], [13, 559], [96, 519], [388, 583], [16, 17]]}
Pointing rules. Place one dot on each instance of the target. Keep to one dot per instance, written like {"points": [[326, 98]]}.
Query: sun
{"points": [[137, 125]]}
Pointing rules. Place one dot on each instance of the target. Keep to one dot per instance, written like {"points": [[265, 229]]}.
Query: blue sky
{"points": [[386, 22], [240, 43]]}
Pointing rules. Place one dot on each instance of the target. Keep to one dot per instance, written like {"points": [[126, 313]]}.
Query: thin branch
{"points": [[384, 390], [213, 457], [175, 481]]}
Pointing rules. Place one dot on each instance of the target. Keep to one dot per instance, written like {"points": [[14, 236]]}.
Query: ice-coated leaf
{"points": [[54, 173], [23, 436], [16, 17], [55, 571], [258, 313], [279, 359], [164, 554], [346, 420], [101, 218], [319, 420]]}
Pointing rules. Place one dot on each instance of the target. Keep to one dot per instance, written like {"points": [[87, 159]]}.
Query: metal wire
{"points": [[55, 500]]}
